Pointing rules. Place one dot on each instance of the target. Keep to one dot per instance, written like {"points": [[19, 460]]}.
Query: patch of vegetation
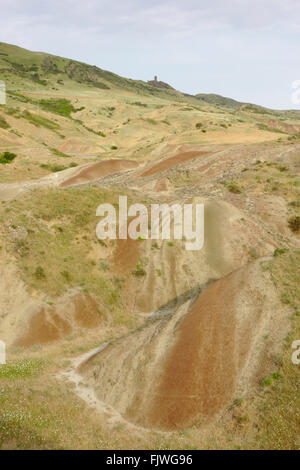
{"points": [[12, 111], [54, 168], [13, 131], [139, 103], [101, 85], [151, 121], [3, 123], [279, 411], [7, 157], [279, 251], [286, 276], [139, 271], [59, 153], [253, 108], [218, 100], [232, 187], [253, 253], [39, 273], [294, 223], [40, 121], [36, 78], [94, 132], [263, 127], [295, 203], [60, 106], [21, 369], [61, 231], [19, 97]]}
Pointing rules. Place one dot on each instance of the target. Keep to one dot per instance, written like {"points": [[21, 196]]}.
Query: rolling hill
{"points": [[124, 343]]}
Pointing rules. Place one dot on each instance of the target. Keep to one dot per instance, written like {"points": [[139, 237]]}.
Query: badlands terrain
{"points": [[122, 344]]}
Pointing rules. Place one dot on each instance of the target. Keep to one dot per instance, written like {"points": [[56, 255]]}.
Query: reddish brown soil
{"points": [[171, 162], [50, 324], [86, 314], [161, 185], [44, 327], [99, 170], [201, 368], [126, 255]]}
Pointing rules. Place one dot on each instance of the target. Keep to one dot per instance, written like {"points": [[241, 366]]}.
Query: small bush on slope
{"points": [[7, 157], [3, 123]]}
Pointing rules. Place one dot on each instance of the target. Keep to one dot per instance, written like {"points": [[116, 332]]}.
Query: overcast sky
{"points": [[245, 49]]}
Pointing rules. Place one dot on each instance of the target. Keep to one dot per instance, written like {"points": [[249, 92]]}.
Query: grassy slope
{"points": [[107, 111]]}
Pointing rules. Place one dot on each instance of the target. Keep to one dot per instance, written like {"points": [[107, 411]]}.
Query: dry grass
{"points": [[60, 227], [279, 408]]}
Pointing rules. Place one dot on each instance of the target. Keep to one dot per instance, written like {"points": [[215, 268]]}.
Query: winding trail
{"points": [[88, 395]]}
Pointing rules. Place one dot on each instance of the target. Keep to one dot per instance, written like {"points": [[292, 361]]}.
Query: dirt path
{"points": [[88, 395]]}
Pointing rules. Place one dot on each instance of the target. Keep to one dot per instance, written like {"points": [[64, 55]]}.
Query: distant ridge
{"points": [[219, 100], [23, 69]]}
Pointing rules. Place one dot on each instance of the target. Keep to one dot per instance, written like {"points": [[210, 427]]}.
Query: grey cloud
{"points": [[229, 46]]}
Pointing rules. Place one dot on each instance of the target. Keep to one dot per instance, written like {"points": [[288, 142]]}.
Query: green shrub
{"points": [[66, 275], [232, 186], [294, 223], [7, 157], [253, 253], [267, 382], [101, 85], [279, 251], [54, 168], [139, 271], [282, 168], [59, 153], [39, 273], [60, 106], [294, 203], [3, 123], [139, 103], [199, 125], [36, 78]]}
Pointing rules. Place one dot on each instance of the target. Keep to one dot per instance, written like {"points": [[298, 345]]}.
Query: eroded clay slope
{"points": [[170, 270], [184, 368]]}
